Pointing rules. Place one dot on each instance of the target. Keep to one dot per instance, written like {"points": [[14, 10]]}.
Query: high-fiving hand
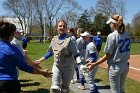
{"points": [[46, 73], [90, 66]]}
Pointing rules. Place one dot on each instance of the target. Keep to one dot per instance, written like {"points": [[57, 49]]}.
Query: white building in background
{"points": [[16, 22]]}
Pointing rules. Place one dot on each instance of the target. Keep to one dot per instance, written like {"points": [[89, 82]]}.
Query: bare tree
{"points": [[71, 18], [136, 24], [75, 5], [15, 7], [52, 8], [39, 12], [71, 14], [22, 9], [120, 7], [27, 14], [55, 8], [109, 7]]}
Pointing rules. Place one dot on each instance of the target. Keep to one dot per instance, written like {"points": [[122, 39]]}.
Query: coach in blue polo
{"points": [[98, 41]]}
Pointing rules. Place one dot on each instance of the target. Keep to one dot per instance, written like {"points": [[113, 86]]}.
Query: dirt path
{"points": [[134, 68]]}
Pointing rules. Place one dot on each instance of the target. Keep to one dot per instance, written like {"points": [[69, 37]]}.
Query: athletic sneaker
{"points": [[72, 81], [82, 87], [75, 81]]}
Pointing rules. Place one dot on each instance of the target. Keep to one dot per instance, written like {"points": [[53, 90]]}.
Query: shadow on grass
{"points": [[97, 80], [37, 91], [22, 80], [30, 84], [102, 87]]}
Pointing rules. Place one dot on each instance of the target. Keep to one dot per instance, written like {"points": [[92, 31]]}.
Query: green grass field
{"points": [[38, 84]]}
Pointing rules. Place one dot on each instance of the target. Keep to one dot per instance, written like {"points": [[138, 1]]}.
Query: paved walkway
{"points": [[101, 88]]}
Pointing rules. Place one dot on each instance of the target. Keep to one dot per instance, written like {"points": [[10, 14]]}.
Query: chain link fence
{"points": [[135, 39]]}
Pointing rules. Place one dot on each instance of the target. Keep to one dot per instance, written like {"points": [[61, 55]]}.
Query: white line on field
{"points": [[135, 68]]}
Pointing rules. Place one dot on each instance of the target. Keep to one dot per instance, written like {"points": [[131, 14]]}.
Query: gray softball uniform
{"points": [[118, 45], [73, 37], [63, 67], [81, 47], [16, 43], [90, 49]]}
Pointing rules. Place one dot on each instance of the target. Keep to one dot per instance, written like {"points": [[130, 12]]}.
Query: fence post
{"points": [[44, 29]]}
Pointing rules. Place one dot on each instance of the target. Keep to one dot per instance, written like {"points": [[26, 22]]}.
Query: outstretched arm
{"points": [[30, 62], [91, 65], [46, 56], [40, 60], [46, 73]]}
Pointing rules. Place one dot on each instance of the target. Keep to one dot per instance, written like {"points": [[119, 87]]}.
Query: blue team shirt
{"points": [[10, 58], [97, 40], [24, 39]]}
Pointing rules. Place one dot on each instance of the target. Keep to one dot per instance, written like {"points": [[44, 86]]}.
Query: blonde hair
{"points": [[120, 27], [79, 31]]}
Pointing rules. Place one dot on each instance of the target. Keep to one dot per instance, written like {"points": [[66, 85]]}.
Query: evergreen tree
{"points": [[99, 24], [84, 21]]}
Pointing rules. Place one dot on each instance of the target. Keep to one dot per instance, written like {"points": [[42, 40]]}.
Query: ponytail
{"points": [[120, 27]]}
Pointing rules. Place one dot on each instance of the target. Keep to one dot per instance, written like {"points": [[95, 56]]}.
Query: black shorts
{"points": [[24, 45], [98, 47], [9, 86]]}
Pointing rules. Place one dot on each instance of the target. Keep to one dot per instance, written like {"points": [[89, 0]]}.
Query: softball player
{"points": [[72, 34], [91, 56], [117, 50], [81, 46], [64, 50]]}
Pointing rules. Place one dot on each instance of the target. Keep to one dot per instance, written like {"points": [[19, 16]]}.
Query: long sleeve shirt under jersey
{"points": [[10, 59]]}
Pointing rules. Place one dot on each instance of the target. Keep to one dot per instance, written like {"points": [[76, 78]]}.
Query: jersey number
{"points": [[124, 45]]}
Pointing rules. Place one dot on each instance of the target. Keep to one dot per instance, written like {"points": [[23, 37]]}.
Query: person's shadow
{"points": [[27, 83], [102, 87], [30, 84], [41, 90]]}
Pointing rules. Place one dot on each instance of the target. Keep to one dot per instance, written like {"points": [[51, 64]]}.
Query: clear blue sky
{"points": [[132, 7]]}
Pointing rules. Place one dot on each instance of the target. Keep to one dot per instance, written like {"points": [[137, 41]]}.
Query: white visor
{"points": [[98, 33], [19, 30], [86, 34], [111, 21]]}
